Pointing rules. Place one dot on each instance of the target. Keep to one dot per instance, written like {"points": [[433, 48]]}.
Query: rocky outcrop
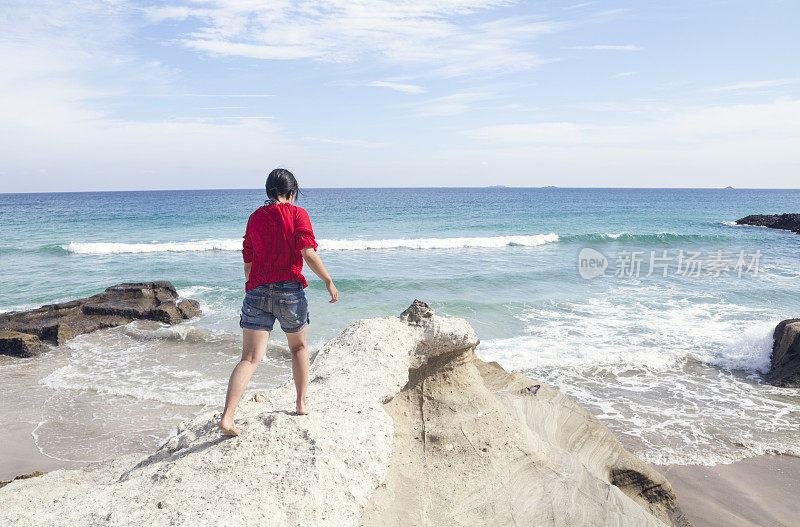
{"points": [[788, 222], [23, 333], [407, 427], [785, 359], [417, 314], [476, 445], [20, 344]]}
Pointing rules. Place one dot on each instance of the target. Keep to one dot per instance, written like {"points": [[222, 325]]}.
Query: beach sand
{"points": [[19, 454], [754, 492]]}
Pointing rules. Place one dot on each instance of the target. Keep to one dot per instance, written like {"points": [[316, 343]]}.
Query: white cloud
{"points": [[741, 145], [753, 85], [468, 101], [63, 62], [608, 47], [435, 34], [248, 117], [452, 104], [779, 120], [233, 95], [398, 86], [358, 143], [70, 66]]}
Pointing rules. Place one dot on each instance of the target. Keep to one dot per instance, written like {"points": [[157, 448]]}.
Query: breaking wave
{"points": [[235, 244]]}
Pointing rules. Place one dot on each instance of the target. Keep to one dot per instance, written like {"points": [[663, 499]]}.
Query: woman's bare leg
{"points": [[297, 345], [254, 345]]}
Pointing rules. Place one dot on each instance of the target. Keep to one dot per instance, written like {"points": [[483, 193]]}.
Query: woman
{"points": [[277, 240]]}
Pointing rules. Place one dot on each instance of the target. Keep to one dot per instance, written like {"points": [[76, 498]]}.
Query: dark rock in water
{"points": [[20, 344], [417, 314], [116, 306], [23, 476], [785, 359], [787, 222]]}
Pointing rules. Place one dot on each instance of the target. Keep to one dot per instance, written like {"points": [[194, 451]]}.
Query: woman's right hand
{"points": [[315, 264], [333, 292]]}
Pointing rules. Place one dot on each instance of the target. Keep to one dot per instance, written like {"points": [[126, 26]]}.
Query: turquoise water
{"points": [[672, 364]]}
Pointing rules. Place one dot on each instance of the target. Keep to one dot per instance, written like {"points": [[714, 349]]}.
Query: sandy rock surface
{"points": [[407, 427]]}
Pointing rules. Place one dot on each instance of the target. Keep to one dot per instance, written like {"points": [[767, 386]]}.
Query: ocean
{"points": [[666, 345]]}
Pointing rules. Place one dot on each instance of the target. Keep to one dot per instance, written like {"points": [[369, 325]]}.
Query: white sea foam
{"points": [[231, 244], [235, 244], [180, 365], [440, 243], [750, 350], [636, 334], [677, 380], [734, 224]]}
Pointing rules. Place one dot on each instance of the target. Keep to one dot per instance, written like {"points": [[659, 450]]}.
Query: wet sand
{"points": [[19, 454], [754, 492], [73, 429], [21, 412]]}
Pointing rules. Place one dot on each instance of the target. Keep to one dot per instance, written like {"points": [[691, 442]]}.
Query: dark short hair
{"points": [[281, 182]]}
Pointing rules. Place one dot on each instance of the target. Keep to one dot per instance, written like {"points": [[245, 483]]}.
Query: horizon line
{"points": [[489, 187]]}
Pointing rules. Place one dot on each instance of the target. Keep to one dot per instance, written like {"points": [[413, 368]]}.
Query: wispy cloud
{"points": [[436, 35], [623, 74], [753, 85], [222, 95], [779, 120], [202, 95], [467, 101], [579, 6], [452, 104], [62, 62], [248, 117], [358, 143], [608, 47], [398, 86]]}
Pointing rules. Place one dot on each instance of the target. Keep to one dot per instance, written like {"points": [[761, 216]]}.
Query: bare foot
{"points": [[229, 429], [301, 409]]}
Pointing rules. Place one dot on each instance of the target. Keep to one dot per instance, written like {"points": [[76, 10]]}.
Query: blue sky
{"points": [[116, 95]]}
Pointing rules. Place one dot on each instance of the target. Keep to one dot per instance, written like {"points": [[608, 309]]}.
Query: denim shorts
{"points": [[285, 301]]}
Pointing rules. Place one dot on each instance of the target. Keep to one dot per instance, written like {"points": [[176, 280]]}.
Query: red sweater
{"points": [[272, 241]]}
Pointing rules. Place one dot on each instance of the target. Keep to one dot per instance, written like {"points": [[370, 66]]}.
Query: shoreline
{"points": [[21, 456], [428, 403], [755, 491]]}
